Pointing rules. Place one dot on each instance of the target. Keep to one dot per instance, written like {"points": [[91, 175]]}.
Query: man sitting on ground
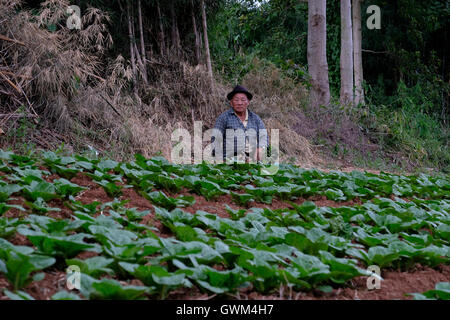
{"points": [[244, 136]]}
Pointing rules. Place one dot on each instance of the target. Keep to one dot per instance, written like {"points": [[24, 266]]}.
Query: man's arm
{"points": [[263, 139], [221, 126]]}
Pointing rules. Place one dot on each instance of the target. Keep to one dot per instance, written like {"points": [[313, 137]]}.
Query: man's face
{"points": [[239, 102]]}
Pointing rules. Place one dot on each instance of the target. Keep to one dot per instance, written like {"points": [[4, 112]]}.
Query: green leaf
{"points": [[185, 233], [335, 194], [66, 188], [109, 289], [440, 292], [40, 206], [325, 289], [64, 295], [42, 189], [39, 276], [341, 269], [66, 246], [242, 199], [94, 267], [7, 190], [63, 171], [19, 266], [153, 275], [106, 165], [112, 189], [235, 214], [159, 198], [117, 236], [5, 207], [306, 207], [310, 268], [19, 295]]}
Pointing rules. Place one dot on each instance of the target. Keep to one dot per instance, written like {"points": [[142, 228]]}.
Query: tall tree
{"points": [[357, 54], [176, 45], [161, 36], [131, 39], [317, 54], [197, 36], [346, 61], [137, 55], [205, 35], [141, 36]]}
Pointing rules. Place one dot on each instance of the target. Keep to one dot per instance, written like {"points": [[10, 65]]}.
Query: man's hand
{"points": [[258, 154]]}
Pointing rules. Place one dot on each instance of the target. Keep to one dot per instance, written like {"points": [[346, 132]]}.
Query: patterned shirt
{"points": [[245, 122], [255, 132]]}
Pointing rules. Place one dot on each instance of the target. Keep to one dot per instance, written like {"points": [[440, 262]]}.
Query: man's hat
{"points": [[239, 89]]}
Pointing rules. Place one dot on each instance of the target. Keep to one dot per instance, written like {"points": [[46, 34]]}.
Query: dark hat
{"points": [[239, 89]]}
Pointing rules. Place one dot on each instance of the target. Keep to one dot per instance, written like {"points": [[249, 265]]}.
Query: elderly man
{"points": [[240, 133]]}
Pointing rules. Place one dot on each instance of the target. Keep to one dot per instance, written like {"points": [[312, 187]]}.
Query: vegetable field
{"points": [[149, 229]]}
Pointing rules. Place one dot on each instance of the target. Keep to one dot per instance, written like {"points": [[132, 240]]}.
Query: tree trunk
{"points": [[161, 36], [357, 54], [317, 54], [130, 35], [197, 36], [205, 36], [139, 63], [346, 60], [141, 34], [175, 34]]}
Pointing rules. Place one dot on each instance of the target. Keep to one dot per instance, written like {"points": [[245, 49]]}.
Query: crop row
{"points": [[256, 249]]}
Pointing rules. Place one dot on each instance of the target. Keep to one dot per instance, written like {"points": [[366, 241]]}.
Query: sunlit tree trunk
{"points": [[141, 35], [346, 61], [130, 35], [176, 46], [357, 54], [161, 36], [205, 36], [317, 54], [197, 36]]}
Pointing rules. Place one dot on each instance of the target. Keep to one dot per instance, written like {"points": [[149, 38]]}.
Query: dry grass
{"points": [[83, 97], [59, 70]]}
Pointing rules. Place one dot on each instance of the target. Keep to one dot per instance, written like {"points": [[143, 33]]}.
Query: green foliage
{"points": [[269, 31], [304, 246], [93, 267], [18, 262], [408, 123], [159, 198], [404, 68], [440, 292]]}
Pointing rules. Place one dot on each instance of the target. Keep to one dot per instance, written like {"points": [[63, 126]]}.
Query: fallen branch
{"points": [[10, 82], [54, 134], [19, 90], [93, 75], [110, 104], [5, 38], [371, 51], [14, 75], [156, 62], [12, 115]]}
